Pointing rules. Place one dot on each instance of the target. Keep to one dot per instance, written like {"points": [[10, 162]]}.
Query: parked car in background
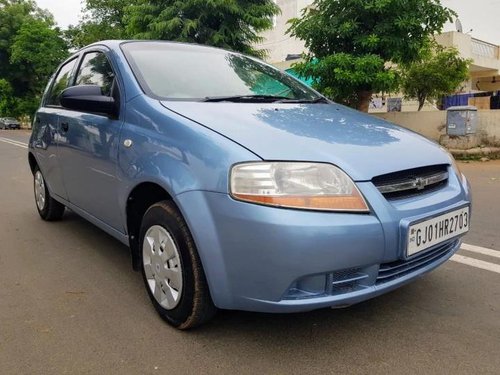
{"points": [[238, 187], [9, 123]]}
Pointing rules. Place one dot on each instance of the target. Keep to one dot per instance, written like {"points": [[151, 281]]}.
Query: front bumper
{"points": [[267, 259]]}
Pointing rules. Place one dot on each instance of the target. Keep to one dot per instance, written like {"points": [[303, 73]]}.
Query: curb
{"points": [[477, 153]]}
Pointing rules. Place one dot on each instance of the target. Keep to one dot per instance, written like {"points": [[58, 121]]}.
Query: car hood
{"points": [[362, 145]]}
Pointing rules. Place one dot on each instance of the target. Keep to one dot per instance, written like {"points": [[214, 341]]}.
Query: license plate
{"points": [[428, 233]]}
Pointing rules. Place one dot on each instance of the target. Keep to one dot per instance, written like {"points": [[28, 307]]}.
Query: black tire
{"points": [[52, 210], [195, 305]]}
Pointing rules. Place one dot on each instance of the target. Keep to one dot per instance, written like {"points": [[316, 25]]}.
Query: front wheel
{"points": [[48, 208], [172, 269]]}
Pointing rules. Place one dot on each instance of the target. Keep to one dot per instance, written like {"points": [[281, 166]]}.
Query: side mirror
{"points": [[88, 98]]}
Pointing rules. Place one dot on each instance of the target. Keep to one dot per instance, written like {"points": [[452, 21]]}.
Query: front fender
{"points": [[162, 147]]}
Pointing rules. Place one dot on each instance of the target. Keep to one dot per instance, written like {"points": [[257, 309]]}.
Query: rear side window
{"points": [[60, 83], [96, 70]]}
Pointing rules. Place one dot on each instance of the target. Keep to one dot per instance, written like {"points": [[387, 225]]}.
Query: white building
{"points": [[485, 68], [277, 42]]}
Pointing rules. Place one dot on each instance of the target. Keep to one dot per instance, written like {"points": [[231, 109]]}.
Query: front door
{"points": [[46, 136], [88, 146]]}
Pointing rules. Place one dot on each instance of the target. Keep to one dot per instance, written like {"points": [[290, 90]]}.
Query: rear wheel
{"points": [[172, 269], [48, 208]]}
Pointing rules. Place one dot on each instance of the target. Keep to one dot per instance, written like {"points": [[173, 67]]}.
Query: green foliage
{"points": [[358, 42], [88, 32], [230, 24], [30, 49], [6, 98], [36, 51], [13, 14], [440, 71], [103, 19], [108, 11], [346, 78]]}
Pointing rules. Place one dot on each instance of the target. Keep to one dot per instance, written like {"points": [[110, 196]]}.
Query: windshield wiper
{"points": [[265, 98], [306, 101], [244, 98]]}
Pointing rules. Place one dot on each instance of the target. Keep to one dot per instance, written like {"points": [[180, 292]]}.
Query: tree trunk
{"points": [[364, 98], [421, 102]]}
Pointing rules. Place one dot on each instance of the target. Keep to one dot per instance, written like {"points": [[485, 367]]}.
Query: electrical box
{"points": [[461, 120]]}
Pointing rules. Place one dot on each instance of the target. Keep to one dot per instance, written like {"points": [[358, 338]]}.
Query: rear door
{"points": [[88, 148]]}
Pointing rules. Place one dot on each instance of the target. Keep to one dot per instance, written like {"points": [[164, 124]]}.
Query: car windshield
{"points": [[190, 72]]}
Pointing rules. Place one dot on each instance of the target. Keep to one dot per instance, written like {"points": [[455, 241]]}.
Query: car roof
{"points": [[116, 44]]}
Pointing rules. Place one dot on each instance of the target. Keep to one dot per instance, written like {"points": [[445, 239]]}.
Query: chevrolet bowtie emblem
{"points": [[420, 183]]}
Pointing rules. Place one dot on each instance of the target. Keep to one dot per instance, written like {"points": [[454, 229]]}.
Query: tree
{"points": [[30, 49], [230, 24], [36, 51], [109, 11], [354, 44], [439, 71], [13, 14], [102, 19], [88, 32], [6, 98]]}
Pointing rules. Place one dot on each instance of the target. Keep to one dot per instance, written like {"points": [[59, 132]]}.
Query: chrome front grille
{"points": [[394, 270], [411, 182]]}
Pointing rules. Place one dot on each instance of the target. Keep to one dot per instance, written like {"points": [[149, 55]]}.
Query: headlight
{"points": [[311, 186]]}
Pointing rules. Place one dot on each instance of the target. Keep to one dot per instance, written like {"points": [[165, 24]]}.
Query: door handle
{"points": [[64, 126]]}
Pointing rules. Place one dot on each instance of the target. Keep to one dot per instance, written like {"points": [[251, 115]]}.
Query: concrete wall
{"points": [[408, 105], [429, 124], [433, 124], [489, 126]]}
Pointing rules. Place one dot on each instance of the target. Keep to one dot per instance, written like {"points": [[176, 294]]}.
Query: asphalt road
{"points": [[70, 303]]}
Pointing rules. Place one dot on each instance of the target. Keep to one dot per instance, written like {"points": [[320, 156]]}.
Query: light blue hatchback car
{"points": [[238, 187]]}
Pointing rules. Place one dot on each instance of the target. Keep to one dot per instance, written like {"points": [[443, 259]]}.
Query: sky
{"points": [[479, 15], [66, 12]]}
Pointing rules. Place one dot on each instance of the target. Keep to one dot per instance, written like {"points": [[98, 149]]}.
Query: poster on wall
{"points": [[376, 103], [394, 104]]}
